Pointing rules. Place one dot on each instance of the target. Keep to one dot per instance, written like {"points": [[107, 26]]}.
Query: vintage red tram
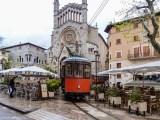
{"points": [[76, 76]]}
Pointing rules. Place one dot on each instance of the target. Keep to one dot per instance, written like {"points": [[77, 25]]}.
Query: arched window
{"points": [[69, 15]]}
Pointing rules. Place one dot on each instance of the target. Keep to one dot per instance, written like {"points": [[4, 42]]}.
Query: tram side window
{"points": [[78, 71], [87, 71], [69, 71]]}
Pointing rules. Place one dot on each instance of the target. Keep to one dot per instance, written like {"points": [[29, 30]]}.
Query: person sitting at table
{"points": [[152, 91]]}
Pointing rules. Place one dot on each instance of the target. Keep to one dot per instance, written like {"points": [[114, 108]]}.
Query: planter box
{"points": [[92, 92], [138, 107], [100, 96], [51, 94], [115, 100], [44, 95]]}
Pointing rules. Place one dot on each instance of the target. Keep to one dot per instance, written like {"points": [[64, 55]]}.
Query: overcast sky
{"points": [[32, 20]]}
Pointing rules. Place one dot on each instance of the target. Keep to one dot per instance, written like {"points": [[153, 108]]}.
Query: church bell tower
{"points": [[84, 10], [56, 10]]}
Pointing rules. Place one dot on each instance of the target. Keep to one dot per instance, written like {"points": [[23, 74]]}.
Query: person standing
{"points": [[12, 86]]}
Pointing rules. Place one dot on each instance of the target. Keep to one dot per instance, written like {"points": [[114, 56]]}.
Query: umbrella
{"points": [[134, 69], [30, 70], [11, 71], [34, 70]]}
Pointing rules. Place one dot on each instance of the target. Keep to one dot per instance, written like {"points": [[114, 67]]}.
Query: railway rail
{"points": [[93, 111]]}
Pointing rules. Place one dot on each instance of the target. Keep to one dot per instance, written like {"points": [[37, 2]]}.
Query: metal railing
{"points": [[143, 56]]}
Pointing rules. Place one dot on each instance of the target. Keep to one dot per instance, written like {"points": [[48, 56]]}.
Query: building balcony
{"points": [[143, 56]]}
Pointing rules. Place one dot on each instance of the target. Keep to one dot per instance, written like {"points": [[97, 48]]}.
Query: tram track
{"points": [[81, 109], [93, 111], [103, 111]]}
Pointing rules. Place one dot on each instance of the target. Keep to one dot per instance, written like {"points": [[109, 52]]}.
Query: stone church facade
{"points": [[73, 36]]}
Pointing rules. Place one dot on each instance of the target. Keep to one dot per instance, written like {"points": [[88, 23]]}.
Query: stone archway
{"points": [[60, 63], [63, 58]]}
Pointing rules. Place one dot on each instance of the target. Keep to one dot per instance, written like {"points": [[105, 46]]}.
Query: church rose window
{"points": [[68, 36]]}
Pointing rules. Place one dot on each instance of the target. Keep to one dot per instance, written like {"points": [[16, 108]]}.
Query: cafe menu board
{"points": [[44, 90]]}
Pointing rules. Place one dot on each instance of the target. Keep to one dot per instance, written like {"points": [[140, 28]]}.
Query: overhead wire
{"points": [[98, 11]]}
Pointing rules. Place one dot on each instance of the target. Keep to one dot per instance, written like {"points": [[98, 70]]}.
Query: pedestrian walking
{"points": [[12, 86]]}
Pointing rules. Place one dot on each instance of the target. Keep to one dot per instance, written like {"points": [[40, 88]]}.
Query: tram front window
{"points": [[78, 70]]}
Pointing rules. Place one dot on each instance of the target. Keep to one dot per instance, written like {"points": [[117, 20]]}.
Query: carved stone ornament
{"points": [[69, 36]]}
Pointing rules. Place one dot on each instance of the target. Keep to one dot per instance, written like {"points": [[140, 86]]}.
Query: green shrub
{"points": [[135, 95], [5, 81], [53, 85], [93, 87], [100, 89], [114, 92]]}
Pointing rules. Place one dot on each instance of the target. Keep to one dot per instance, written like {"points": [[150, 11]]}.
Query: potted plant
{"points": [[135, 103], [114, 96], [52, 86], [100, 93], [93, 90]]}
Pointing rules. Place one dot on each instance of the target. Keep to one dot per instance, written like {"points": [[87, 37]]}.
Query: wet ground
{"points": [[64, 108], [48, 109], [60, 109], [7, 114]]}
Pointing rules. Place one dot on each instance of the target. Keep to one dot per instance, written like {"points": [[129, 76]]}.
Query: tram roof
{"points": [[76, 59]]}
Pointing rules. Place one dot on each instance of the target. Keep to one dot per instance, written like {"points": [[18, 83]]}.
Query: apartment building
{"points": [[3, 58], [129, 45], [26, 54]]}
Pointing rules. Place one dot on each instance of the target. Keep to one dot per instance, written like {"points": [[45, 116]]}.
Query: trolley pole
{"points": [[97, 55]]}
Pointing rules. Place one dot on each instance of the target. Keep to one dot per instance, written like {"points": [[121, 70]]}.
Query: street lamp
{"points": [[97, 55]]}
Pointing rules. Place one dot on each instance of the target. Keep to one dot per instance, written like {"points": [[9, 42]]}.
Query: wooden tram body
{"points": [[76, 76]]}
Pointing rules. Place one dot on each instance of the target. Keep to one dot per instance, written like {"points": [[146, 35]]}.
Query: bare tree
{"points": [[145, 9]]}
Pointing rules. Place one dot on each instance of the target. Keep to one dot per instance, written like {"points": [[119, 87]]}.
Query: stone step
{"points": [[45, 115]]}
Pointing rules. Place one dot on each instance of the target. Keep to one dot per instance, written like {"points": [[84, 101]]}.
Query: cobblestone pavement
{"points": [[7, 114]]}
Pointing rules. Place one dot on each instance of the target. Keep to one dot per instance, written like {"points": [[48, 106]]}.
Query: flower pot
{"points": [[139, 107], [100, 96], [114, 100], [92, 92], [51, 94]]}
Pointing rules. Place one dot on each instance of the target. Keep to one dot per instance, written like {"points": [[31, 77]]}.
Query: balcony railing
{"points": [[143, 56]]}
